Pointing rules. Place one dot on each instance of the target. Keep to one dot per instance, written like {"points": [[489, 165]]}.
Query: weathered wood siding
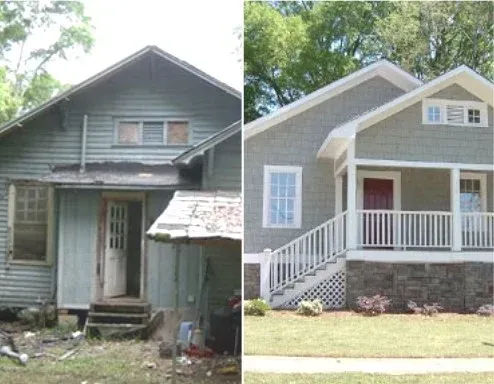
{"points": [[136, 92], [226, 167]]}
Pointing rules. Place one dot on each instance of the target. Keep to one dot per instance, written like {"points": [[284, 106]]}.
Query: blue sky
{"points": [[199, 32]]}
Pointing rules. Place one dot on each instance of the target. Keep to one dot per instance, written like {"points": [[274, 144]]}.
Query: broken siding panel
{"points": [[227, 165], [77, 246], [226, 267], [161, 257]]}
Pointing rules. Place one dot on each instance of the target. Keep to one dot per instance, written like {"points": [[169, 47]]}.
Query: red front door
{"points": [[377, 226]]}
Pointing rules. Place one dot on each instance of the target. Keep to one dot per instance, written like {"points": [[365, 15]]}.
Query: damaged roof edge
{"points": [[209, 143], [111, 70]]}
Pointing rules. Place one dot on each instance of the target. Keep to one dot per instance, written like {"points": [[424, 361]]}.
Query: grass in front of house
{"points": [[118, 362], [357, 378], [347, 334]]}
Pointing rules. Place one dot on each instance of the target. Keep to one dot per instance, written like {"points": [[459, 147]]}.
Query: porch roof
{"points": [[200, 215], [118, 174]]}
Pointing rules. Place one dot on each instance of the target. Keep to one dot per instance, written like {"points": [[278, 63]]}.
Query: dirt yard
{"points": [[56, 357]]}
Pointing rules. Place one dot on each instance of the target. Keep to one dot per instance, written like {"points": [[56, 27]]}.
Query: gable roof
{"points": [[111, 71], [382, 68], [464, 76], [209, 143]]}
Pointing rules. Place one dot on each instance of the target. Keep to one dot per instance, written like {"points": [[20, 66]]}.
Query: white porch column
{"points": [[455, 209], [338, 196], [351, 206], [264, 267]]}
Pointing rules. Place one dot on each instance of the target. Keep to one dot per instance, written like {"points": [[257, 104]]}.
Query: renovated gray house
{"points": [[84, 176], [374, 184]]}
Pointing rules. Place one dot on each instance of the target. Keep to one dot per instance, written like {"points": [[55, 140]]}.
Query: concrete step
{"points": [[120, 307]]}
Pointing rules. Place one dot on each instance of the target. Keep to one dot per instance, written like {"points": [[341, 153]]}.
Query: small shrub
{"points": [[426, 309], [486, 310], [256, 307], [373, 306], [310, 307]]}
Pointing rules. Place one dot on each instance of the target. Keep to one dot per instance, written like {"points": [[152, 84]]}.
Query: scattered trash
{"points": [[66, 355], [166, 349], [195, 351], [28, 334], [182, 360], [209, 373], [77, 335], [228, 370], [149, 364], [20, 357]]}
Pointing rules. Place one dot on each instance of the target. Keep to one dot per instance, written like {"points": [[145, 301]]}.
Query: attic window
{"points": [[151, 132], [454, 112], [177, 132]]}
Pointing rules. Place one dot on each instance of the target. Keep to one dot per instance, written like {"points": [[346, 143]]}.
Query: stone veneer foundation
{"points": [[252, 274], [457, 287]]}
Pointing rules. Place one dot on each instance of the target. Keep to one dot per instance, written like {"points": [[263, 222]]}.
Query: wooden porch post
{"points": [[351, 229], [338, 207], [455, 209], [264, 274]]}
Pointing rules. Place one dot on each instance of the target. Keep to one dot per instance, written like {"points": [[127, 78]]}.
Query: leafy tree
{"points": [[294, 48], [24, 78]]}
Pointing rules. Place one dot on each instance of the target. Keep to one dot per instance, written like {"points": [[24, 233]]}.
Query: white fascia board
{"points": [[336, 142], [381, 68]]}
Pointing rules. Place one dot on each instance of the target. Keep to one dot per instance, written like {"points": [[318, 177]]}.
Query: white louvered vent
{"points": [[152, 132], [455, 114]]}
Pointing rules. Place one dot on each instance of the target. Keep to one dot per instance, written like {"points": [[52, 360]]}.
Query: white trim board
{"points": [[252, 258], [382, 68], [419, 257], [424, 164]]}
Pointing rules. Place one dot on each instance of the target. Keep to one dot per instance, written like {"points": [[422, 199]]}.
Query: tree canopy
{"points": [[294, 48], [32, 35]]}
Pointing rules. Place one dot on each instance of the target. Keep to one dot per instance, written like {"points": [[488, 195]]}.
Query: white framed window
{"points": [[454, 112], [473, 197], [434, 114], [282, 207], [135, 132], [30, 223]]}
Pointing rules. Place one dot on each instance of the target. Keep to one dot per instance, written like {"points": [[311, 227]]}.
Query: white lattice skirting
{"points": [[330, 291]]}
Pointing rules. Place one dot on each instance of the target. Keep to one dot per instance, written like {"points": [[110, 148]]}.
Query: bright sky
{"points": [[201, 33]]}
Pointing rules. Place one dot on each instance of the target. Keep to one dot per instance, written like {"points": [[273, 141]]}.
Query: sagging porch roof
{"points": [[200, 215], [120, 174], [338, 138]]}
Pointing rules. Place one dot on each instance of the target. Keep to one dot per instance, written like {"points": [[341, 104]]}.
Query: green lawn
{"points": [[346, 334], [357, 378]]}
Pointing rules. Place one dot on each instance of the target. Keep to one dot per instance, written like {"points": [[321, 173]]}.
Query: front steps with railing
{"points": [[326, 283], [307, 262]]}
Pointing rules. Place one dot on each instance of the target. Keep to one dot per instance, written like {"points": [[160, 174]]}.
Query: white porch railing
{"points": [[477, 230], [404, 229], [307, 253]]}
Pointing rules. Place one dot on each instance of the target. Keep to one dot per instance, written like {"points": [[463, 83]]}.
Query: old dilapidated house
{"points": [[85, 175]]}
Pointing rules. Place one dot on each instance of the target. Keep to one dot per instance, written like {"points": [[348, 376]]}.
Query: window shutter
{"points": [[455, 114], [152, 133]]}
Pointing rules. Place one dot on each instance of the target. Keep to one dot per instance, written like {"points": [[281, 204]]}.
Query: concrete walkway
{"points": [[394, 366]]}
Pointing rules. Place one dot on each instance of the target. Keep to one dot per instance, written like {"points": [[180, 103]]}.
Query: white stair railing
{"points": [[404, 229], [477, 230], [307, 253]]}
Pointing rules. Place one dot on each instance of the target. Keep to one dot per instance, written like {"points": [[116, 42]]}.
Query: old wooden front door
{"points": [[116, 249], [378, 196]]}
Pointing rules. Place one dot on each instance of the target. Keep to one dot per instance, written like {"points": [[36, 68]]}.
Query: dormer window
{"points": [[434, 114], [454, 112], [474, 116]]}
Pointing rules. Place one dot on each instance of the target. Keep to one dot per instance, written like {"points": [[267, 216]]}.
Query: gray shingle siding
{"points": [[404, 137], [295, 142]]}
